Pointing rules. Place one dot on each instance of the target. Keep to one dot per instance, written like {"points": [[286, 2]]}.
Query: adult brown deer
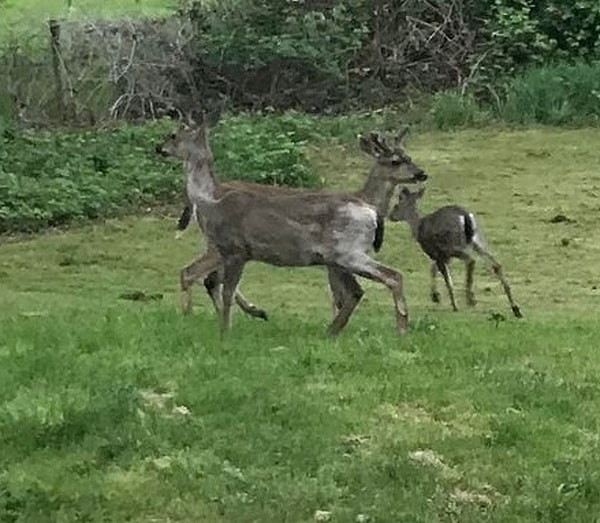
{"points": [[449, 232], [392, 167], [294, 229]]}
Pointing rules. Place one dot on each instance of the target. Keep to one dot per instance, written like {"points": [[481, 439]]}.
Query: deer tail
{"points": [[379, 230], [470, 227], [185, 217]]}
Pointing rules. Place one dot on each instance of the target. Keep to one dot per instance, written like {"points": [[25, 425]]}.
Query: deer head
{"points": [[190, 139], [406, 208], [394, 163]]}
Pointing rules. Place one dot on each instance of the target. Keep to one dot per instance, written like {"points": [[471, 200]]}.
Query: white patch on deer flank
{"points": [[477, 236], [473, 222], [358, 224]]}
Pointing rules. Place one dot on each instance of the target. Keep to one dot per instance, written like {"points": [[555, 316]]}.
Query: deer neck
{"points": [[201, 184], [377, 191], [414, 222]]}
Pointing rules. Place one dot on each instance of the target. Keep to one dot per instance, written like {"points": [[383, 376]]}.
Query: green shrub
{"points": [[451, 110], [50, 178], [554, 95]]}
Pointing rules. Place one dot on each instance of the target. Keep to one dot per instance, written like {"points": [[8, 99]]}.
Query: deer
{"points": [[392, 167], [293, 229], [449, 232], [212, 282]]}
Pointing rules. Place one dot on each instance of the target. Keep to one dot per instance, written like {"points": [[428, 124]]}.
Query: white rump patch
{"points": [[355, 237]]}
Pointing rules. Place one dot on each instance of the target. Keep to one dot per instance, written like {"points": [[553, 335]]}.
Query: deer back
{"points": [[292, 230], [446, 232]]}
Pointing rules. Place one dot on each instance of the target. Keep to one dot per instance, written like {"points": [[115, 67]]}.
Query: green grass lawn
{"points": [[112, 410]]}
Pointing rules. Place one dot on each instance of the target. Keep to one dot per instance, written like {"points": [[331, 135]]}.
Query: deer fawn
{"points": [[287, 229], [393, 167], [449, 232]]}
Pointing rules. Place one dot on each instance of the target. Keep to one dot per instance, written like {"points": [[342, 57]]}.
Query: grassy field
{"points": [[112, 410]]}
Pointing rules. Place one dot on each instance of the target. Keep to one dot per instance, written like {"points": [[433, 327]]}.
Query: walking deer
{"points": [[449, 232], [284, 229], [392, 167]]}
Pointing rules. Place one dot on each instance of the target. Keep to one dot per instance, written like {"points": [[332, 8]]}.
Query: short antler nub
{"points": [[367, 144], [380, 142]]}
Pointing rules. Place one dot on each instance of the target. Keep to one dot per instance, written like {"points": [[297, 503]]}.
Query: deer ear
{"points": [[402, 133]]}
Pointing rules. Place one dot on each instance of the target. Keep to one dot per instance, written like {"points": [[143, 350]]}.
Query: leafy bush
{"points": [[53, 178], [520, 34], [264, 149], [555, 95], [256, 32]]}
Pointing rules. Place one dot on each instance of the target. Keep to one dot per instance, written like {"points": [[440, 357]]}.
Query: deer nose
{"points": [[159, 150], [421, 176]]}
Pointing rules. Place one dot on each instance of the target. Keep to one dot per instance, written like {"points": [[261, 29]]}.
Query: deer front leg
{"points": [[205, 265], [212, 283], [435, 295], [213, 286], [249, 308], [233, 268], [443, 268], [347, 293], [392, 279]]}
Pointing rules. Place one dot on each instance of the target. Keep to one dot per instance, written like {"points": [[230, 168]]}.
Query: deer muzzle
{"points": [[420, 176]]}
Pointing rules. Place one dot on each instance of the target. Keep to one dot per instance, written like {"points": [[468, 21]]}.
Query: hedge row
{"points": [[51, 178]]}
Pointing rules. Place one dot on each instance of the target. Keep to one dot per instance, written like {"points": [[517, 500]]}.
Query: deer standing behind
{"points": [[294, 230], [449, 232], [392, 167]]}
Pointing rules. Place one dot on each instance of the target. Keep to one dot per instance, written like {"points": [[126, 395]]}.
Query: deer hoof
{"points": [[435, 297], [517, 311], [259, 313], [471, 301], [332, 331]]}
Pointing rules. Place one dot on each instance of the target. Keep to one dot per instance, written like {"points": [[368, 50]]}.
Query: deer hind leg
{"points": [[469, 269], [435, 295], [233, 268], [338, 287], [201, 267], [445, 270], [392, 279], [347, 292], [497, 268]]}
